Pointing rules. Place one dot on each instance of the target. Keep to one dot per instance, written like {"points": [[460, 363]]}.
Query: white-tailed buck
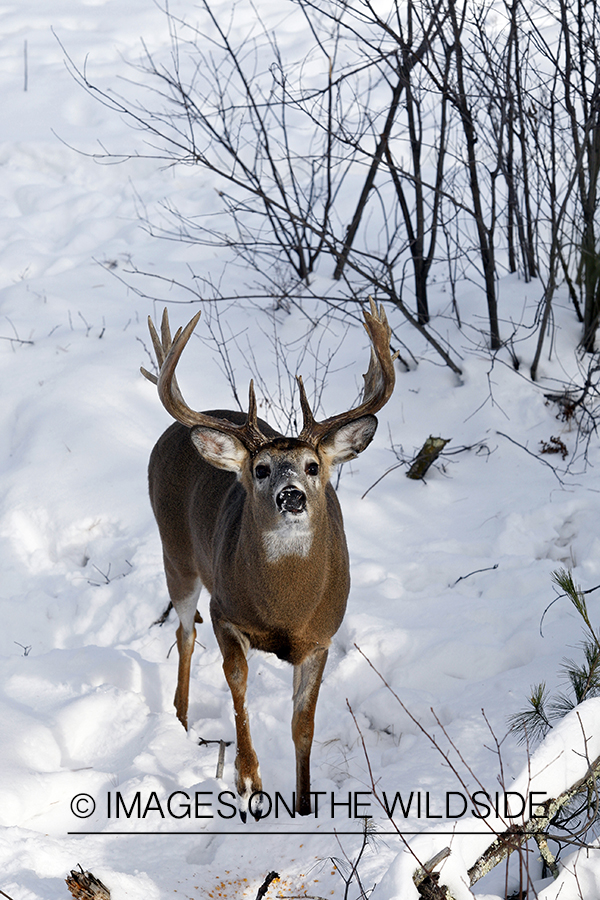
{"points": [[251, 515]]}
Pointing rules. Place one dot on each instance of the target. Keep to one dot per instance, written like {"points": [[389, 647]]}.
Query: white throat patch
{"points": [[291, 540]]}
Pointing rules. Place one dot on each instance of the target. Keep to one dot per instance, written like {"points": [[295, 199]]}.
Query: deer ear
{"points": [[221, 450], [347, 441]]}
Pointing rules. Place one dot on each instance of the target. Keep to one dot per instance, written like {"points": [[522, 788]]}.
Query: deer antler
{"points": [[379, 380], [168, 350]]}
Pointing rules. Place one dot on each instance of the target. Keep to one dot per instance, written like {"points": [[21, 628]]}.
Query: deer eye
{"points": [[261, 472], [312, 469]]}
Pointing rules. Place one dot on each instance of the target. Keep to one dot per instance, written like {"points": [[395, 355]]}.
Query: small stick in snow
{"points": [[272, 876], [85, 886]]}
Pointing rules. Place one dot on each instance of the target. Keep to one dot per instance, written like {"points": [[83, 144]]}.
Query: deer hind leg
{"points": [[234, 646], [184, 591], [307, 681]]}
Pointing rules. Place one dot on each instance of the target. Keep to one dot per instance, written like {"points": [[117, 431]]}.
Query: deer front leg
{"points": [[184, 595], [307, 681], [234, 647], [185, 646]]}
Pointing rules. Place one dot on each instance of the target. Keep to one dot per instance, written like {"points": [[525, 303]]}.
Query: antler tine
{"points": [[379, 380], [158, 352], [307, 416], [165, 331], [249, 433], [252, 415], [168, 351]]}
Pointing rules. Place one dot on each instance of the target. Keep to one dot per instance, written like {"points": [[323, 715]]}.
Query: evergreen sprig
{"points": [[533, 723], [583, 679]]}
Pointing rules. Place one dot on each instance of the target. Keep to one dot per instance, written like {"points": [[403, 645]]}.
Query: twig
{"points": [[559, 597], [381, 477], [480, 445], [476, 572], [535, 456], [5, 895], [15, 340], [353, 873]]}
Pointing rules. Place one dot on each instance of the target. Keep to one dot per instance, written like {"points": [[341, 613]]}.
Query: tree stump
{"points": [[427, 455], [85, 886]]}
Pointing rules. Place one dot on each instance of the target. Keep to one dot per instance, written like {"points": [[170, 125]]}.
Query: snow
{"points": [[450, 577]]}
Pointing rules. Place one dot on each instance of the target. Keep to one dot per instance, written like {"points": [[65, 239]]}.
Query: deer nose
{"points": [[292, 500]]}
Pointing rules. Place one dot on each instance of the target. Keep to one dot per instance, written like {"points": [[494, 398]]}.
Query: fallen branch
{"points": [[511, 839], [427, 881], [517, 835]]}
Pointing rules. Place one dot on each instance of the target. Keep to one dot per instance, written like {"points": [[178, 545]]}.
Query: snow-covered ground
{"points": [[86, 682]]}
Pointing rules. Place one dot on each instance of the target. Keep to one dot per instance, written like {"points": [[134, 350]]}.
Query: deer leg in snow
{"points": [[184, 593], [234, 647], [307, 681]]}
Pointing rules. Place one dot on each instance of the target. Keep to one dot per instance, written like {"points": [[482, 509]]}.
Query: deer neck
{"points": [[284, 539]]}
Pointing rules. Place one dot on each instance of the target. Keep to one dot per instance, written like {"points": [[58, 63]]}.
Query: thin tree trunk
{"points": [[485, 235], [370, 179], [409, 61]]}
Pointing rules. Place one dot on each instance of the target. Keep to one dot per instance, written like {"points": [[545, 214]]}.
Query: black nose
{"points": [[291, 500]]}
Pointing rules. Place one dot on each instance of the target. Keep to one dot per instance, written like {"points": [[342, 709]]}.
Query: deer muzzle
{"points": [[291, 500]]}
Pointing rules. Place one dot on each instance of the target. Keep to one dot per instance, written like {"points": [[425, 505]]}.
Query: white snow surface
{"points": [[86, 681]]}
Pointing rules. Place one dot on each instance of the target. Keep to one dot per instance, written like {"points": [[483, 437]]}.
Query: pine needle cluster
{"points": [[582, 679]]}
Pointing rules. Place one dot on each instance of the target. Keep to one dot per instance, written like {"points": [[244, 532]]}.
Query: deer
{"points": [[252, 516]]}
